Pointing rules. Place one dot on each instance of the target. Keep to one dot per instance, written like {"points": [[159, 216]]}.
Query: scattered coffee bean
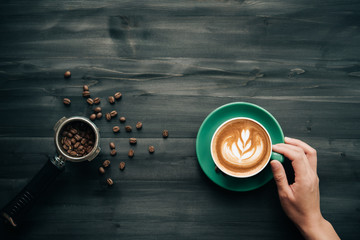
{"points": [[86, 94], [132, 140], [97, 109], [113, 152], [106, 163], [86, 88], [122, 119], [66, 101], [122, 165], [90, 101], [67, 74], [131, 153], [93, 117], [111, 99], [165, 133], [108, 116], [116, 129], [139, 125], [128, 128], [101, 170], [98, 115], [113, 113], [109, 181], [112, 145], [118, 95], [151, 149], [96, 100]]}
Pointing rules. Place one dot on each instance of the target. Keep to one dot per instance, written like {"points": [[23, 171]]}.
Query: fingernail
{"points": [[287, 138], [274, 164]]}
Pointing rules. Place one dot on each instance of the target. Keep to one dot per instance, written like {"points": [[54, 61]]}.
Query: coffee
{"points": [[241, 147]]}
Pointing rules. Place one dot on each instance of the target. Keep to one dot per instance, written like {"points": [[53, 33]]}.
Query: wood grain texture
{"points": [[175, 62]]}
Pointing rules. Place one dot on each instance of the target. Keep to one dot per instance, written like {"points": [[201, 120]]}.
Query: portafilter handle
{"points": [[15, 211]]}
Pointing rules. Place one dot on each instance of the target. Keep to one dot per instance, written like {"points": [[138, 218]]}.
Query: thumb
{"points": [[280, 177]]}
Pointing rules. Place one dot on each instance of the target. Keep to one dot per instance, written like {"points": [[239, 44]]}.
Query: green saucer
{"points": [[208, 128]]}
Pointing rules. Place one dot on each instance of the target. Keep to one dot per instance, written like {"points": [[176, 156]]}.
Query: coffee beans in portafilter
{"points": [[66, 101], [77, 139]]}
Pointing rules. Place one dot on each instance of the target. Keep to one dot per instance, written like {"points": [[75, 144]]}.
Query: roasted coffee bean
{"points": [[96, 100], [111, 99], [128, 128], [77, 137], [69, 151], [86, 94], [101, 170], [132, 140], [122, 119], [89, 148], [90, 101], [113, 152], [151, 149], [83, 141], [109, 181], [113, 113], [118, 95], [139, 125], [116, 129], [86, 88], [65, 147], [97, 109], [108, 116], [90, 142], [81, 148], [69, 135], [165, 133], [73, 131], [73, 141], [64, 133], [131, 153], [93, 117], [77, 145], [106, 163], [122, 165], [66, 101], [68, 142], [67, 74], [99, 115], [73, 153], [112, 145]]}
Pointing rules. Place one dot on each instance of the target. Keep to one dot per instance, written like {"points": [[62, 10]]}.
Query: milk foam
{"points": [[242, 147]]}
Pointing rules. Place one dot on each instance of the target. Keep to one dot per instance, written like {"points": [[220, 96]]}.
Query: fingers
{"points": [[296, 155], [309, 151], [280, 178]]}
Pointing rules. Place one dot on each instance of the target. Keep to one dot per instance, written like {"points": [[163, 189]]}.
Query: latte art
{"points": [[241, 147]]}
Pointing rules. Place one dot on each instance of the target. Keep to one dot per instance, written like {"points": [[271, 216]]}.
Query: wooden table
{"points": [[174, 62]]}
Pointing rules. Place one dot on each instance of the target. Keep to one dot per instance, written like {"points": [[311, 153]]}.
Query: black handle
{"points": [[17, 208]]}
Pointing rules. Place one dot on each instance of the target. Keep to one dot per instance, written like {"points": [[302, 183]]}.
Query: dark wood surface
{"points": [[174, 62]]}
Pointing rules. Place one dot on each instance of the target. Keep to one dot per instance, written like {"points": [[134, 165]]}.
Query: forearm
{"points": [[319, 231]]}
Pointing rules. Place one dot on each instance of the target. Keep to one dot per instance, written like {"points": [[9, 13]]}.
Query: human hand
{"points": [[301, 200]]}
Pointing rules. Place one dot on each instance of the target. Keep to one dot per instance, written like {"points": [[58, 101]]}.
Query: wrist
{"points": [[317, 229]]}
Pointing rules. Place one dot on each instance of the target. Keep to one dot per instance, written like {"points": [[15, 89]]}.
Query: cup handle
{"points": [[277, 156]]}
